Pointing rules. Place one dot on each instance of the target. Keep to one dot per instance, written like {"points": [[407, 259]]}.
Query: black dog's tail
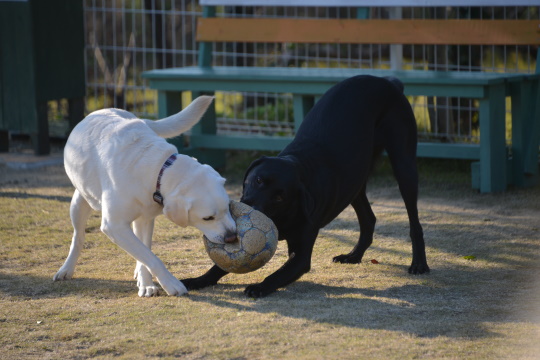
{"points": [[397, 83]]}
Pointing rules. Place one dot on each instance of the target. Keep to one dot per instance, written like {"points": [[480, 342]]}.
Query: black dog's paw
{"points": [[257, 291], [419, 268], [347, 259], [197, 283]]}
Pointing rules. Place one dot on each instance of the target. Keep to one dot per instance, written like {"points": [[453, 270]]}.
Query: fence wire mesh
{"points": [[126, 37]]}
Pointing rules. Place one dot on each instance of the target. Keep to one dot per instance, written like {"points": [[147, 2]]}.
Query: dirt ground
{"points": [[481, 300]]}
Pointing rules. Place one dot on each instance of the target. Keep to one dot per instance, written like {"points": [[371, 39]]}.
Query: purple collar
{"points": [[157, 195]]}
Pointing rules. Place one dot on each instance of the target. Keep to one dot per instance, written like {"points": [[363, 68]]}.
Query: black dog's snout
{"points": [[255, 207], [250, 202], [245, 200]]}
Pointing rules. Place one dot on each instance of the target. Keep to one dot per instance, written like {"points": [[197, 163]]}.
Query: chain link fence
{"points": [[126, 37]]}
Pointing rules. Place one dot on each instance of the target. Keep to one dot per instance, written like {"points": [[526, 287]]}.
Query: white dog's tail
{"points": [[183, 121]]}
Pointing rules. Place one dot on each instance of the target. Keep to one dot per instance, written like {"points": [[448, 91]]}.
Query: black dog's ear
{"points": [[252, 165], [308, 203]]}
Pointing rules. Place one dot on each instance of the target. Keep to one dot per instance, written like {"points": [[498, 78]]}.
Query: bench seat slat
{"points": [[318, 81], [447, 31], [239, 142], [316, 75]]}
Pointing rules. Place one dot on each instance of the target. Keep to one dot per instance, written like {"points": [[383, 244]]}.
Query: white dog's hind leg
{"points": [[122, 235], [80, 212], [144, 228]]}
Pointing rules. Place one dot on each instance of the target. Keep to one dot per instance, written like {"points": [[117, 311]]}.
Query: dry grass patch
{"points": [[481, 300]]}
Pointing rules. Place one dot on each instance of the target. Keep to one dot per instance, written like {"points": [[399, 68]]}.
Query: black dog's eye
{"points": [[278, 198], [209, 218], [259, 180]]}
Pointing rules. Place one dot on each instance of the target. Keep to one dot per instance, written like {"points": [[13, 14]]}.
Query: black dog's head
{"points": [[273, 185]]}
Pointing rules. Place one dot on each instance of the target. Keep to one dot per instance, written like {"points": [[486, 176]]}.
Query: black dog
{"points": [[326, 168]]}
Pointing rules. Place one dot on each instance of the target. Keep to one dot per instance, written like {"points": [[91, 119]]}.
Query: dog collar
{"points": [[157, 194]]}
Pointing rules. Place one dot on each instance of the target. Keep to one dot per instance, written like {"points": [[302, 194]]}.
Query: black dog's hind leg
{"points": [[367, 220], [400, 145], [407, 177], [211, 277]]}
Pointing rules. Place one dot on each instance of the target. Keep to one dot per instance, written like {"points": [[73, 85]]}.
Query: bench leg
{"points": [[207, 126], [40, 134], [523, 125], [76, 111], [169, 103], [4, 141], [492, 140], [533, 123], [301, 106], [518, 93]]}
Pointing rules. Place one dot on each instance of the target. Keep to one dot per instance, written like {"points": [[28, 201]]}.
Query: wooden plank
{"points": [[4, 140], [58, 34], [205, 49], [170, 102], [207, 126], [301, 106], [239, 142], [492, 141], [448, 151], [40, 136], [451, 32], [313, 76], [531, 150], [76, 111], [317, 82], [306, 88], [18, 68], [521, 91]]}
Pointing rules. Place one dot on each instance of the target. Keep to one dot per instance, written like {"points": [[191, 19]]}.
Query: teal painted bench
{"points": [[493, 172]]}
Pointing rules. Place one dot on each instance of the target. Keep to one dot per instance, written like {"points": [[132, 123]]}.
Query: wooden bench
{"points": [[494, 171]]}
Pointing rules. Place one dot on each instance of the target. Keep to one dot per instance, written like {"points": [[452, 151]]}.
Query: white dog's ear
{"points": [[177, 211]]}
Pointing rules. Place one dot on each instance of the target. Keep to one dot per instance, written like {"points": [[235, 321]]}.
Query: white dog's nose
{"points": [[230, 238]]}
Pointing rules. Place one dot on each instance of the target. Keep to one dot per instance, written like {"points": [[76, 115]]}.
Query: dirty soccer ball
{"points": [[257, 241]]}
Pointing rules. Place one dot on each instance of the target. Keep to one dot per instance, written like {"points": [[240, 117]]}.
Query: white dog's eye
{"points": [[209, 218]]}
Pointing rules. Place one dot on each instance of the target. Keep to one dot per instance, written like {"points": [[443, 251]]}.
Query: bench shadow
{"points": [[491, 242], [441, 305]]}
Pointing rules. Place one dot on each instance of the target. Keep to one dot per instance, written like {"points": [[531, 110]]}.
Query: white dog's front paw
{"points": [[146, 286], [148, 291], [65, 273], [173, 286]]}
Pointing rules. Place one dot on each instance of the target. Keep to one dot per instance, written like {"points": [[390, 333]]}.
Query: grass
{"points": [[481, 300]]}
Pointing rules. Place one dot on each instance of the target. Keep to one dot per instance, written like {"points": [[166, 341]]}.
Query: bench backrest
{"points": [[365, 31], [426, 32]]}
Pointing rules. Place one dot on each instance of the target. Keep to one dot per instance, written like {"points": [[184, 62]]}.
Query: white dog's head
{"points": [[202, 202]]}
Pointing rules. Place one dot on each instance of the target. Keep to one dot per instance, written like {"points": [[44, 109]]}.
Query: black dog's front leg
{"points": [[298, 264], [211, 277]]}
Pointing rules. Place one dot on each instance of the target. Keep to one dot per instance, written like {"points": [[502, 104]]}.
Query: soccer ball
{"points": [[257, 241]]}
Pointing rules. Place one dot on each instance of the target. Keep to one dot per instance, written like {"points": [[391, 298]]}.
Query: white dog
{"points": [[121, 165]]}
